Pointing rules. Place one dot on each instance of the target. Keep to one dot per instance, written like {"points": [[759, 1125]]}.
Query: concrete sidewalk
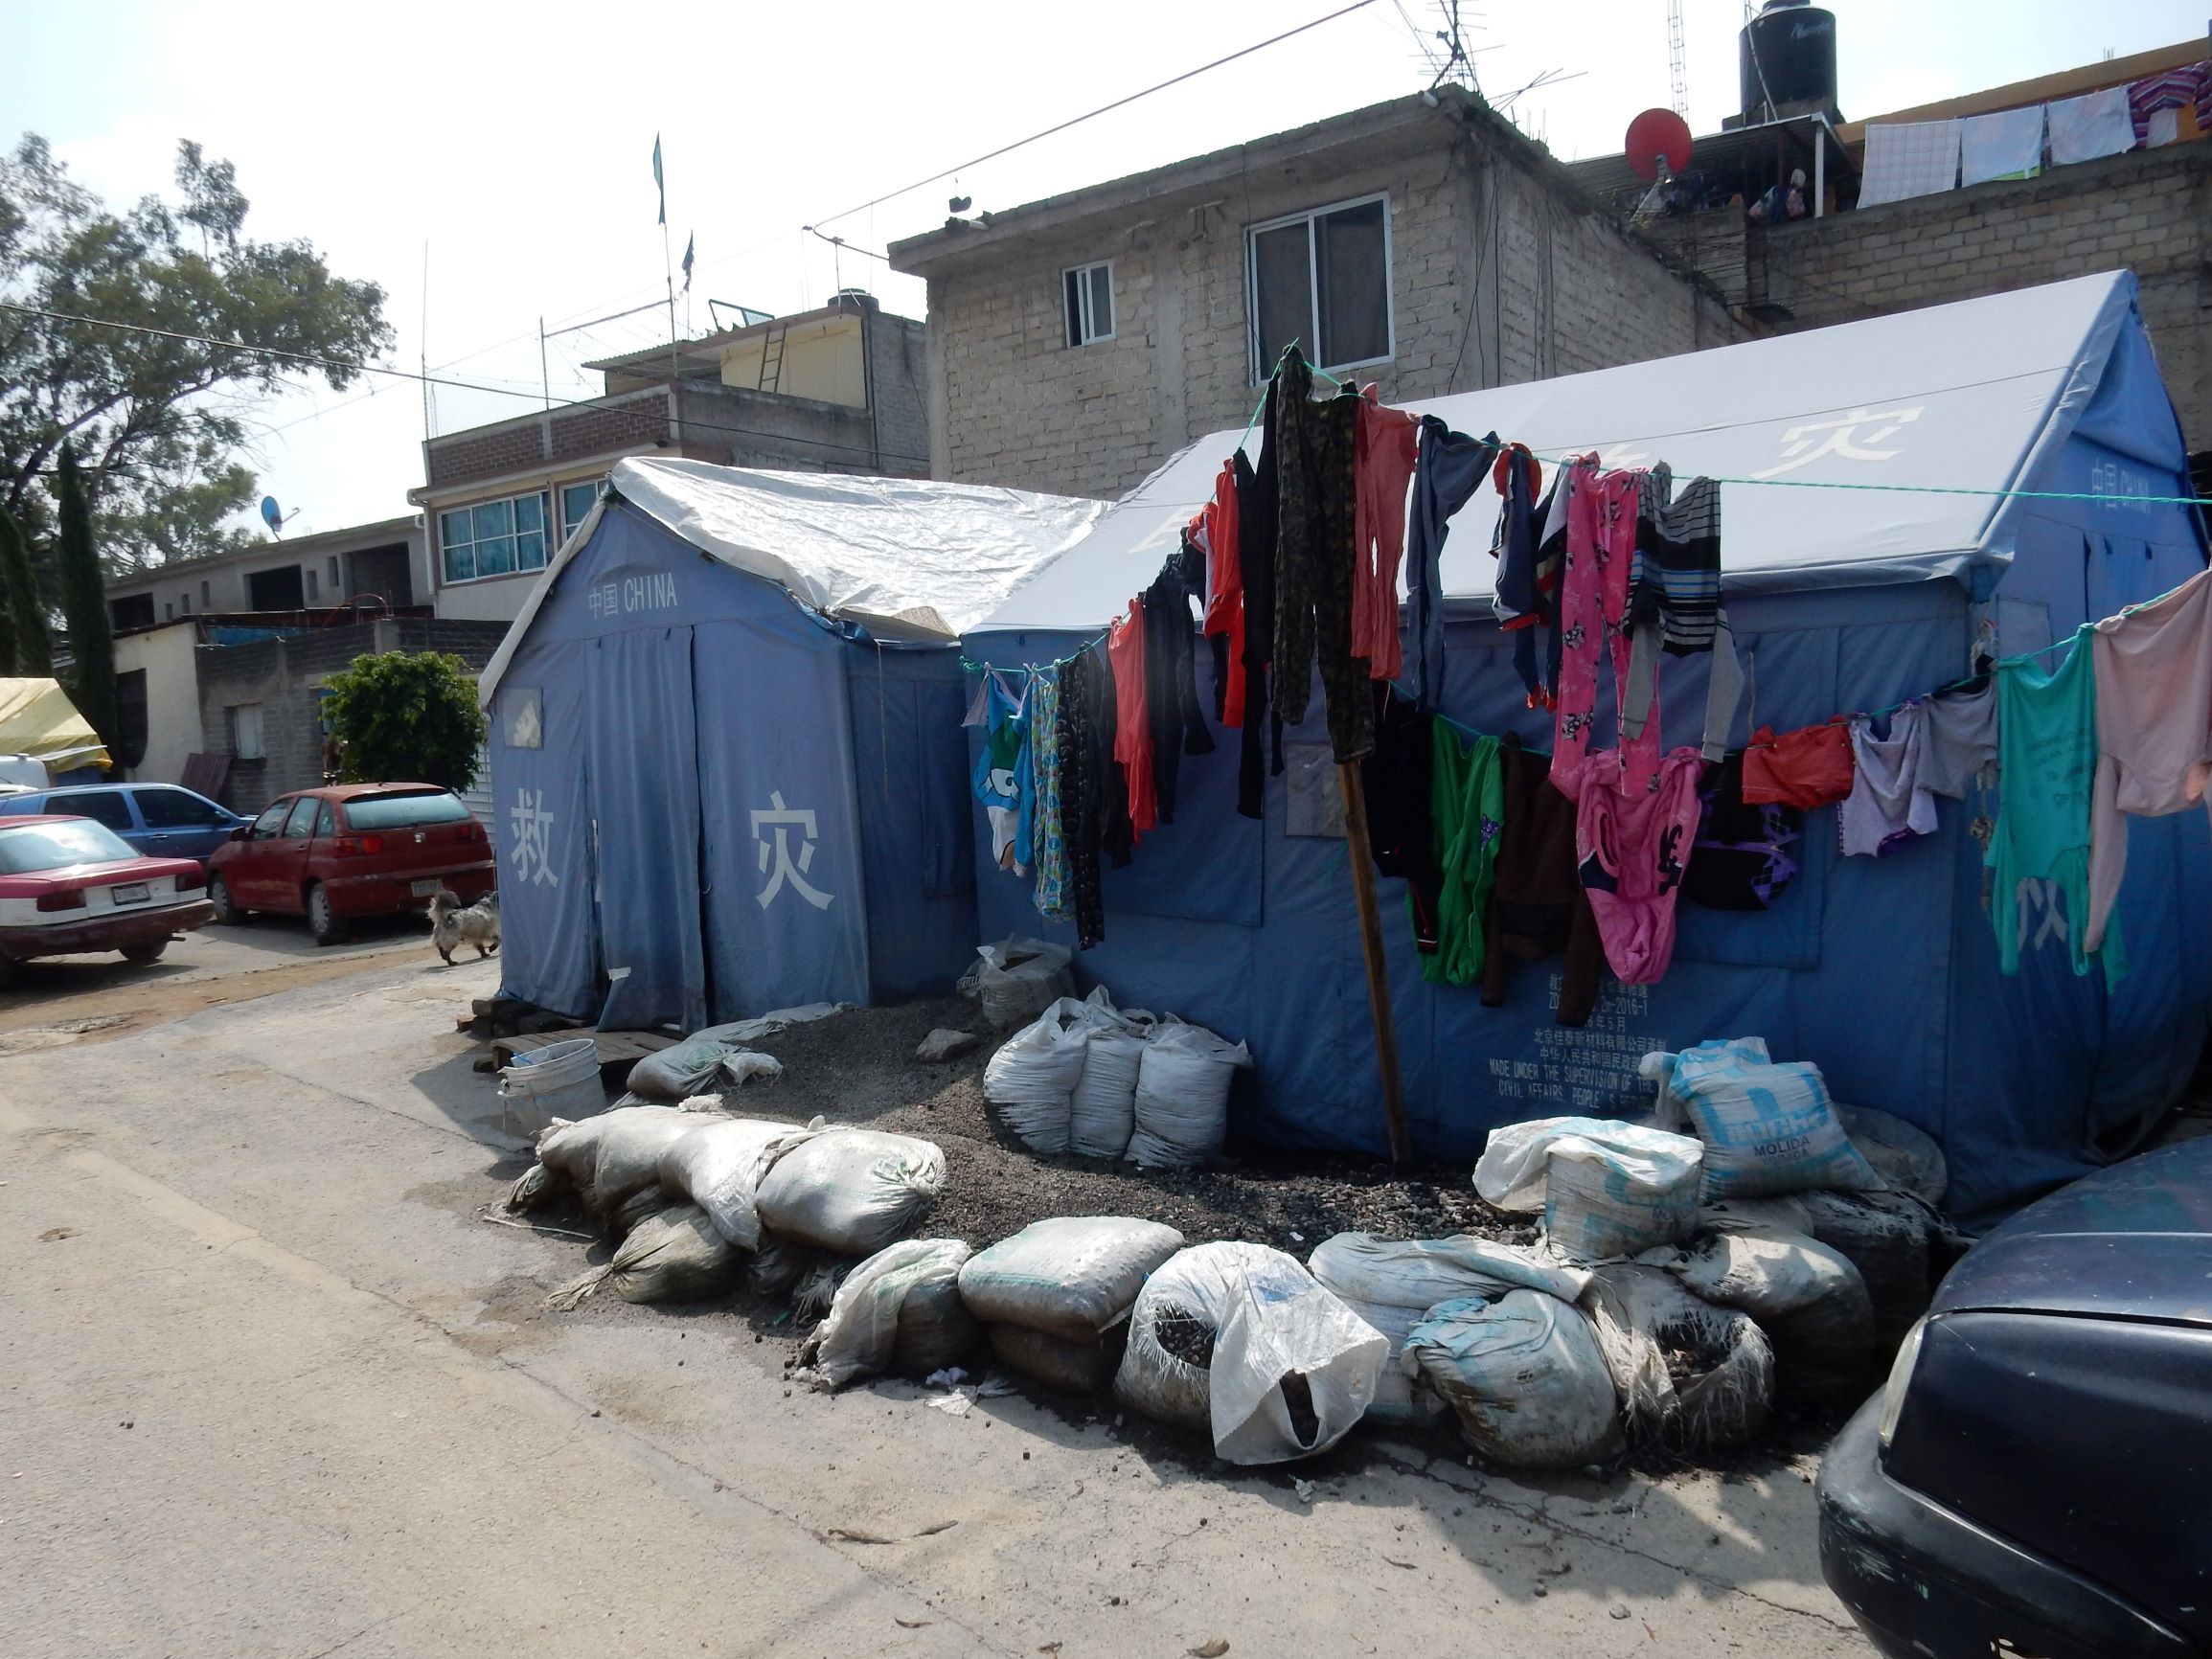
{"points": [[252, 1237]]}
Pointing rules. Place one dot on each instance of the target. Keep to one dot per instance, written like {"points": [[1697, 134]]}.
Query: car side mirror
{"points": [[242, 832]]}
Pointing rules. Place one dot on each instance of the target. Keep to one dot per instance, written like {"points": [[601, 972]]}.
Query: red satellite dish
{"points": [[1655, 136]]}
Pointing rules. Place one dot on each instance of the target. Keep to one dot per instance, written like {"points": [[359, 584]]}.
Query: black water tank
{"points": [[1787, 56]]}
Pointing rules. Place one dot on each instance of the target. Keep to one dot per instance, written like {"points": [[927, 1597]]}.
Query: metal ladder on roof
{"points": [[771, 378]]}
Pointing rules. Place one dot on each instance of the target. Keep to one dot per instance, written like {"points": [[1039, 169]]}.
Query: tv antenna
{"points": [[1675, 63]]}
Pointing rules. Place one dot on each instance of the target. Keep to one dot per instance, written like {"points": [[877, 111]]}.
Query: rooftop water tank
{"points": [[1787, 57]]}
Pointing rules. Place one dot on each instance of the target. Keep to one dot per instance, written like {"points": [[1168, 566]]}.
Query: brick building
{"points": [[834, 390], [2147, 209], [380, 562], [1424, 244]]}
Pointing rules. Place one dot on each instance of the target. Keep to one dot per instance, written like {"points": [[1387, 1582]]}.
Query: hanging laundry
{"points": [[1958, 738], [1600, 542], [1527, 588], [2157, 102], [1538, 906], [2154, 677], [1468, 815], [1226, 591], [1909, 158], [2095, 124], [1631, 849], [1740, 859], [1887, 805], [1171, 678], [2004, 143], [1808, 768], [1314, 560], [1675, 604], [1094, 804], [1050, 836], [1450, 467], [1384, 445], [1002, 773], [1397, 780], [2040, 853], [1258, 525], [1134, 738]]}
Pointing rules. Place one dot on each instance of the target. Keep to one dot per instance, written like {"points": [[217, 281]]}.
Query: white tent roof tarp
{"points": [[1961, 397], [905, 559]]}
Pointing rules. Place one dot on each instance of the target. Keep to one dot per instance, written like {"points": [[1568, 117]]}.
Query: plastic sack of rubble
{"points": [[675, 1255], [1391, 1283], [1241, 1340], [1183, 1099], [1768, 1127], [1032, 1078], [1524, 1375], [1018, 979], [862, 1334], [1902, 1154], [1692, 1378], [718, 1167], [691, 1065], [1808, 1299], [1070, 1367], [1606, 1188], [850, 1190], [1102, 1112], [609, 1158], [1889, 1237], [1068, 1276], [777, 1265]]}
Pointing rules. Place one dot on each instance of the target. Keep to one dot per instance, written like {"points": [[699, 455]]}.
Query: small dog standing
{"points": [[453, 923]]}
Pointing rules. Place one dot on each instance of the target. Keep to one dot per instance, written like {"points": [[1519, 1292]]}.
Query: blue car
{"points": [[159, 820]]}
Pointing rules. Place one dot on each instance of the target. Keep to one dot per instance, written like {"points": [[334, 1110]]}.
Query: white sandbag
{"points": [[671, 1074], [673, 1254], [1183, 1099], [1032, 1078], [1890, 1238], [862, 1334], [742, 1066], [1525, 1376], [1902, 1154], [1691, 1376], [778, 1264], [1606, 1188], [1767, 1127], [611, 1157], [936, 1331], [1102, 1112], [1070, 1367], [850, 1190], [1018, 979], [718, 1167], [1391, 1283], [1242, 1340], [1070, 1276], [1808, 1299]]}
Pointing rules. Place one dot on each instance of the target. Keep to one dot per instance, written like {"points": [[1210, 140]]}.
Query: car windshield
{"points": [[56, 846], [405, 811]]}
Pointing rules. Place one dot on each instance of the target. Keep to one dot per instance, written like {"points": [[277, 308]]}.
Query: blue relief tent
{"points": [[1883, 973], [727, 767]]}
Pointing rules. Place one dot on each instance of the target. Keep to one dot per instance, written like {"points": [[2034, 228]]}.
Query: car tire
{"points": [[145, 954], [227, 910], [323, 924]]}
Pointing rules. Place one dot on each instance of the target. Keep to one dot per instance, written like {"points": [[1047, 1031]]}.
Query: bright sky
{"points": [[513, 141]]}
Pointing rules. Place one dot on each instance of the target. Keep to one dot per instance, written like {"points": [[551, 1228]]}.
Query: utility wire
{"points": [[1092, 115]]}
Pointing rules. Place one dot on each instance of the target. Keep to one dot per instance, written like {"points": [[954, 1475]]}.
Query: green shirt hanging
{"points": [[1467, 815]]}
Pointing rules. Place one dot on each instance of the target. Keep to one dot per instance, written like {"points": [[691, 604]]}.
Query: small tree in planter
{"points": [[403, 715]]}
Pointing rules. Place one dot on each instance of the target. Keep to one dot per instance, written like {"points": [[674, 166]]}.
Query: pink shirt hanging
{"points": [[1383, 450], [1601, 550]]}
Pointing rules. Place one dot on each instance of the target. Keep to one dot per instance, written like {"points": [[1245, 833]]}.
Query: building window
{"points": [[133, 610], [129, 750], [204, 602], [1323, 280], [313, 598], [495, 537], [576, 501], [244, 721], [184, 599], [1090, 303], [337, 581]]}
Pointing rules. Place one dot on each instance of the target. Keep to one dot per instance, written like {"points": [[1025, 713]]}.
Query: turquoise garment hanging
{"points": [[2040, 853]]}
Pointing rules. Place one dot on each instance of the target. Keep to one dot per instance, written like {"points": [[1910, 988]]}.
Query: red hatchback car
{"points": [[351, 850], [69, 885]]}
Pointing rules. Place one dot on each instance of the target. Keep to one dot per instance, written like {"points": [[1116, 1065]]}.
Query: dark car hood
{"points": [[2134, 1241]]}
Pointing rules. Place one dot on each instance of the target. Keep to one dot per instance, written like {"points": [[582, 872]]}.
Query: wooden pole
{"points": [[1377, 971]]}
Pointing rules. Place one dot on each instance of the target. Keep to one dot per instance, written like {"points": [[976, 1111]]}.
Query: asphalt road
{"points": [[271, 1385]]}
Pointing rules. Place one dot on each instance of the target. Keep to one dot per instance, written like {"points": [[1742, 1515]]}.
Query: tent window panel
{"points": [[1322, 279], [1089, 294]]}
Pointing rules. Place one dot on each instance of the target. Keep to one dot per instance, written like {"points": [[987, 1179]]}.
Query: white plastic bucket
{"points": [[558, 1080]]}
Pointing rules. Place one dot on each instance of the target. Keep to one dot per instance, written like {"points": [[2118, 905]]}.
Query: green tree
{"points": [[155, 418], [24, 642], [84, 603], [406, 716]]}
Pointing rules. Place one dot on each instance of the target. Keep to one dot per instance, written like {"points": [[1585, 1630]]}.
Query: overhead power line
{"points": [[1092, 115]]}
